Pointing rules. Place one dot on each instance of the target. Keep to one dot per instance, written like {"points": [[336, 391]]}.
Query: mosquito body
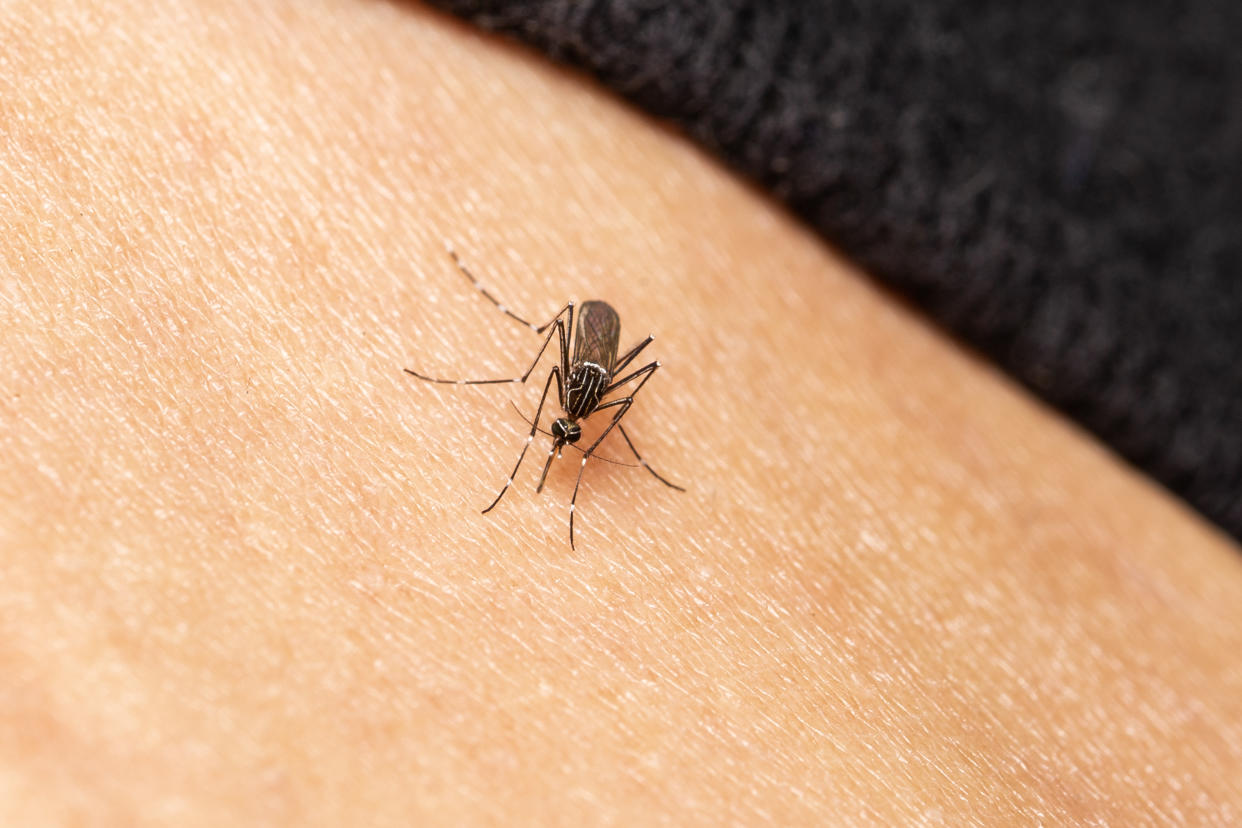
{"points": [[588, 370]]}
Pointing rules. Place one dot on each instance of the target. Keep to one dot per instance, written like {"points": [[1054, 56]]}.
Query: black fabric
{"points": [[1058, 183]]}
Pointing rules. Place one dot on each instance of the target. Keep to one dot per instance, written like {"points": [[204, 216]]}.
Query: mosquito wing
{"points": [[598, 330]]}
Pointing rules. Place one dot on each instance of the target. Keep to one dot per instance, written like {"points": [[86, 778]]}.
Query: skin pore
{"points": [[246, 580]]}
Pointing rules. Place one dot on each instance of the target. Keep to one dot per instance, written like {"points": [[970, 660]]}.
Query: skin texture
{"points": [[245, 577]]}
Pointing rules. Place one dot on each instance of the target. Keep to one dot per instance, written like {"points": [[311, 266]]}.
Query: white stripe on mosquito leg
{"points": [[571, 508]]}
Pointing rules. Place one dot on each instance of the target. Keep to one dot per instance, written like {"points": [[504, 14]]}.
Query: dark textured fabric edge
{"points": [[1059, 184]]}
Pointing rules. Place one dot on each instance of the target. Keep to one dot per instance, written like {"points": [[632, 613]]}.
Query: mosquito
{"points": [[583, 378]]}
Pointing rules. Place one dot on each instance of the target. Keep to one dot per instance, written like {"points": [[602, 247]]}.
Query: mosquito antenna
{"points": [[570, 445]]}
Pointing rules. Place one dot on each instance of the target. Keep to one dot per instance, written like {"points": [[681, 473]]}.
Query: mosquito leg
{"points": [[644, 463], [479, 287], [628, 357], [500, 306], [622, 405], [554, 373], [645, 372], [557, 325]]}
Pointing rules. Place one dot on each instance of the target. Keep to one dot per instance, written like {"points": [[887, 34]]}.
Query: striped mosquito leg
{"points": [[628, 357], [586, 455], [623, 405], [555, 373], [500, 306], [557, 325], [644, 463]]}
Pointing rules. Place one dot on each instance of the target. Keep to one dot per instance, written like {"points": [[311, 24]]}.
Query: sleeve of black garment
{"points": [[1059, 184]]}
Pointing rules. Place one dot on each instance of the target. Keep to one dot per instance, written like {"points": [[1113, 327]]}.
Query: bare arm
{"points": [[245, 576]]}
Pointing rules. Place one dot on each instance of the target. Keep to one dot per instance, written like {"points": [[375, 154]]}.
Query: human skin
{"points": [[245, 577]]}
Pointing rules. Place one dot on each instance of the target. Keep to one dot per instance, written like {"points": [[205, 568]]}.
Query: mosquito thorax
{"points": [[567, 430]]}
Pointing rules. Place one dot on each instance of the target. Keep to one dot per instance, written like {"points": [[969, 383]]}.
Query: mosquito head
{"points": [[567, 431]]}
